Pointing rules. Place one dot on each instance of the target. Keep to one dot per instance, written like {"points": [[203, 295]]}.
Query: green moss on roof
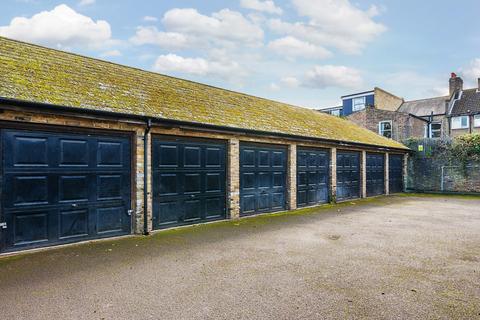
{"points": [[37, 74]]}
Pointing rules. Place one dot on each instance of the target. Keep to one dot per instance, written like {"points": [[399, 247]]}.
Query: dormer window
{"points": [[358, 103]]}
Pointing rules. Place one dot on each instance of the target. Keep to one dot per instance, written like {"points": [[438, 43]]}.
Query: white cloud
{"points": [[471, 73], [172, 63], [274, 87], [151, 35], [86, 2], [150, 19], [222, 26], [333, 76], [60, 27], [290, 82], [267, 6], [292, 47], [413, 85], [110, 53], [338, 24]]}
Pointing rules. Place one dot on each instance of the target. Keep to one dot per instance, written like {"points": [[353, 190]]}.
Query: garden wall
{"points": [[444, 165]]}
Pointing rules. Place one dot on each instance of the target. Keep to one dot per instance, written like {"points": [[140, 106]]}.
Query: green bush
{"points": [[466, 147]]}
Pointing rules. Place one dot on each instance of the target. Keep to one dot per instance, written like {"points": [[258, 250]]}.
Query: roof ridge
{"points": [[426, 99]]}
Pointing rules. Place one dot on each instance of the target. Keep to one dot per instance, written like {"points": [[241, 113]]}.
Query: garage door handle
{"points": [[192, 196], [74, 205]]}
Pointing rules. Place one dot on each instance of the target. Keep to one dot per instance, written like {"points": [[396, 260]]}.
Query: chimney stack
{"points": [[478, 84], [455, 83]]}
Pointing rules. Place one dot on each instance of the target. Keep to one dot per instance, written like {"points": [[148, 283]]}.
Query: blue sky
{"points": [[305, 52]]}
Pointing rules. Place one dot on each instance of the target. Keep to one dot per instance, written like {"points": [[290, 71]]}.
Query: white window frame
{"points": [[456, 125], [361, 105], [380, 127], [476, 120], [430, 131], [335, 113]]}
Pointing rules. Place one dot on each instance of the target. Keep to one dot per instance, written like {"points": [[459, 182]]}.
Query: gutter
{"points": [[145, 175], [186, 124]]}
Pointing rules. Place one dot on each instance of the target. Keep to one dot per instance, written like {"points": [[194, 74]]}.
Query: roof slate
{"points": [[424, 107], [37, 74], [469, 103]]}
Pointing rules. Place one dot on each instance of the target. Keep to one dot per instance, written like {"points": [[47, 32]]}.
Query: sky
{"points": [[303, 52]]}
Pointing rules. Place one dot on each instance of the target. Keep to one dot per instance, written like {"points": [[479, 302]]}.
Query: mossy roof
{"points": [[37, 74]]}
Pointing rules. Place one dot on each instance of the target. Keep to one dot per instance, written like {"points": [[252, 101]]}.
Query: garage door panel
{"points": [[262, 178], [348, 175], [264, 201], [29, 228], [110, 219], [166, 156], [215, 207], [248, 203], [59, 183], [168, 212], [188, 181], [214, 157], [278, 200], [193, 210], [312, 175], [191, 157], [73, 224], [192, 183], [73, 188], [74, 153], [27, 190], [214, 182], [110, 187]]}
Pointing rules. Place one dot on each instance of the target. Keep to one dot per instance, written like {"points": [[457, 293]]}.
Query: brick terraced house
{"points": [[92, 149]]}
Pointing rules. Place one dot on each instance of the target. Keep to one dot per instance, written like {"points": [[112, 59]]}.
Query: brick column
{"points": [[405, 172], [333, 175], [387, 174], [233, 186], [292, 177], [138, 219], [363, 174]]}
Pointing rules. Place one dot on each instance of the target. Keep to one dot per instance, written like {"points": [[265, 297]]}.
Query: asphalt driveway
{"points": [[387, 258]]}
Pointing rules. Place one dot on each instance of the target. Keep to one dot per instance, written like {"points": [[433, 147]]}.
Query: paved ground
{"points": [[390, 258]]}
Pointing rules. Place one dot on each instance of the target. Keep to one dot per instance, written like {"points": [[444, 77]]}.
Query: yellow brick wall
{"points": [[386, 101]]}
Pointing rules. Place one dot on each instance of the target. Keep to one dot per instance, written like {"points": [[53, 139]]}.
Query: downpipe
{"points": [[145, 176]]}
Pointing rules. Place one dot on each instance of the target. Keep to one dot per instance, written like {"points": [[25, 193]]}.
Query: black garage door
{"points": [[188, 181], [312, 176], [263, 171], [60, 188], [395, 167], [348, 175], [375, 174]]}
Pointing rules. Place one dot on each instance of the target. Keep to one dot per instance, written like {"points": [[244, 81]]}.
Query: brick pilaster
{"points": [[405, 172], [292, 177], [333, 175], [233, 186], [363, 174], [387, 174]]}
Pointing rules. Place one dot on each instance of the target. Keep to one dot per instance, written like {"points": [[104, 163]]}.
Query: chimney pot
{"points": [[453, 75]]}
